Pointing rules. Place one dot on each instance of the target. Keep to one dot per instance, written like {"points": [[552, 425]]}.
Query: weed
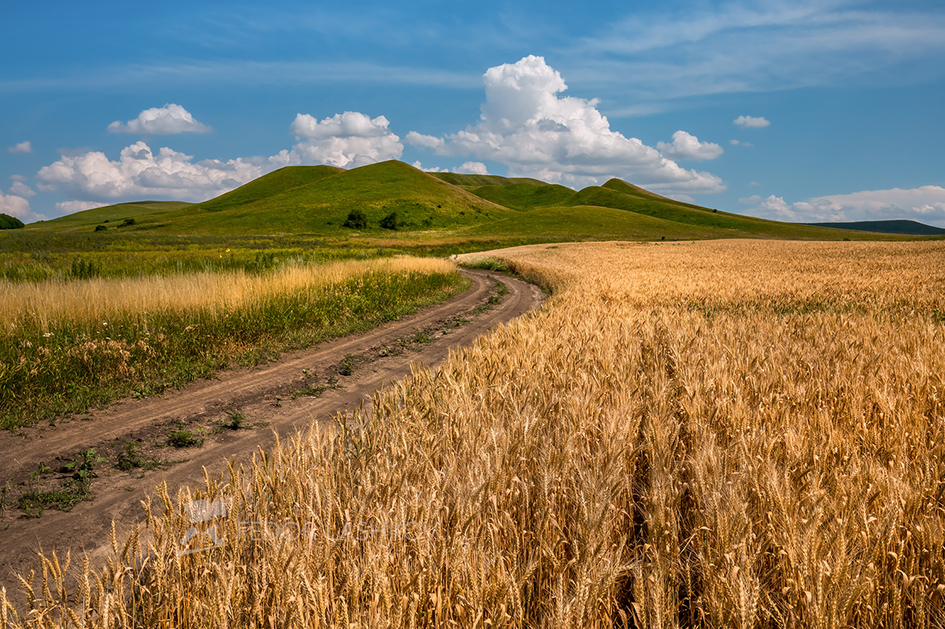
{"points": [[235, 421], [182, 438], [83, 467], [129, 458]]}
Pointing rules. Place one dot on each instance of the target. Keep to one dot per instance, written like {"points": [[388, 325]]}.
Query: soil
{"points": [[235, 414]]}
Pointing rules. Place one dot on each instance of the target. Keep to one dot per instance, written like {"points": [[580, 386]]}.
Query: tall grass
{"points": [[686, 436], [66, 345]]}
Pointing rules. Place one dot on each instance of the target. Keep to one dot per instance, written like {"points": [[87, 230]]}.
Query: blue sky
{"points": [[827, 110]]}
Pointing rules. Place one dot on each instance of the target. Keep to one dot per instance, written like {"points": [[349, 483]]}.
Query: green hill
{"points": [[436, 212], [111, 217], [321, 205]]}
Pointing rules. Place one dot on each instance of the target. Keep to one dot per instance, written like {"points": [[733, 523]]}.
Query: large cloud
{"points": [[925, 204], [139, 173], [345, 140], [166, 120], [687, 146], [527, 126]]}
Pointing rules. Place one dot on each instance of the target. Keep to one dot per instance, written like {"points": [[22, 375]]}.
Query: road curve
{"points": [[263, 395]]}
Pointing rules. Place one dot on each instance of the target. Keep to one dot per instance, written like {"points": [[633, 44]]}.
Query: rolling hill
{"points": [[912, 228], [435, 211]]}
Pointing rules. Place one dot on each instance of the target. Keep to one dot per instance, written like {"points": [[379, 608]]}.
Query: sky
{"points": [[830, 110]]}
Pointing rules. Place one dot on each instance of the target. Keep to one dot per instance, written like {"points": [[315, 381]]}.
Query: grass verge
{"points": [[70, 346]]}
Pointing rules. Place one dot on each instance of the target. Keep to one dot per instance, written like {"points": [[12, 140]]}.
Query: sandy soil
{"points": [[275, 398]]}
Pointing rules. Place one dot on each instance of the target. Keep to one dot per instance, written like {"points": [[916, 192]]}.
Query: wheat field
{"points": [[712, 434]]}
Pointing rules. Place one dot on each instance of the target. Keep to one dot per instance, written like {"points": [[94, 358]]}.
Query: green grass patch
{"points": [[71, 368]]}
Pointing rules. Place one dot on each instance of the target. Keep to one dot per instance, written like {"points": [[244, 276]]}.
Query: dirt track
{"points": [[268, 400]]}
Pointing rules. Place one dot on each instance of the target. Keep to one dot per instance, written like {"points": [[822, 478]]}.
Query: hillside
{"points": [[912, 228], [111, 216], [436, 212]]}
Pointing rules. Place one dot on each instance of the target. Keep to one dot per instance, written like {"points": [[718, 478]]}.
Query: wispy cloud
{"points": [[247, 73], [765, 45]]}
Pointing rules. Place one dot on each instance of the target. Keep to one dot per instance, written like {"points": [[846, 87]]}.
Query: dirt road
{"points": [[234, 413]]}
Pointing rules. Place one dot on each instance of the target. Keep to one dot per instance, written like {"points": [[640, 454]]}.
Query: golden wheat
{"points": [[717, 434], [59, 302]]}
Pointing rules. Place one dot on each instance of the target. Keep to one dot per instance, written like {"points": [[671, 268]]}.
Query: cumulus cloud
{"points": [[925, 204], [18, 207], [346, 140], [750, 122], [139, 173], [536, 133], [687, 146], [22, 147], [472, 168], [69, 207], [167, 120], [432, 169], [20, 189]]}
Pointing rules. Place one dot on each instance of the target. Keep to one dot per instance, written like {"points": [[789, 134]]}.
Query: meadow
{"points": [[710, 434], [73, 343]]}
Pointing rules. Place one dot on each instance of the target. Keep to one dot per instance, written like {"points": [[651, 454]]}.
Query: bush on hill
{"points": [[390, 221], [10, 222], [356, 220]]}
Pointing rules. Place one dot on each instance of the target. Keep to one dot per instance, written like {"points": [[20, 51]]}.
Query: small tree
{"points": [[390, 221], [356, 220]]}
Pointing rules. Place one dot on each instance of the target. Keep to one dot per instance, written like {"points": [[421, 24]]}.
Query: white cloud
{"points": [[139, 173], [70, 207], [527, 126], [750, 122], [22, 147], [166, 120], [433, 169], [18, 207], [472, 168], [345, 140], [687, 146], [425, 141], [925, 204], [21, 189]]}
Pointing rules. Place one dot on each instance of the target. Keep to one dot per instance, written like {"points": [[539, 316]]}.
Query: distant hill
{"points": [[907, 227], [435, 212]]}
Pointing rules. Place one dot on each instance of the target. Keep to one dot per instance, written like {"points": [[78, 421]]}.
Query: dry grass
{"points": [[742, 434], [52, 303]]}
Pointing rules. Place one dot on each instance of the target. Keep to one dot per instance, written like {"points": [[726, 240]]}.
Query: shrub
{"points": [[356, 220], [390, 221]]}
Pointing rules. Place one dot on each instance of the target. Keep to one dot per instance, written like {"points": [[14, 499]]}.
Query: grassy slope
{"points": [[439, 210], [111, 216], [420, 199]]}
